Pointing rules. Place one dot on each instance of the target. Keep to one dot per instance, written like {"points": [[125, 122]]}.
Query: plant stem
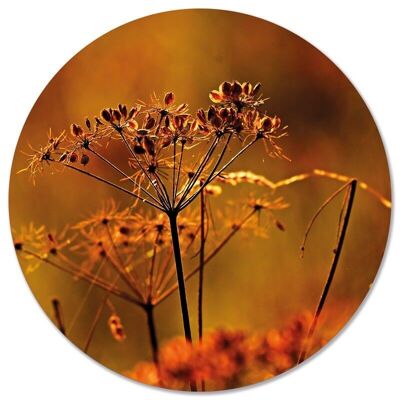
{"points": [[181, 282], [149, 309], [201, 273], [347, 207]]}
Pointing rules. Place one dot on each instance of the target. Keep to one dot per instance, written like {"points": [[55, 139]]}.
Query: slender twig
{"points": [[352, 185]]}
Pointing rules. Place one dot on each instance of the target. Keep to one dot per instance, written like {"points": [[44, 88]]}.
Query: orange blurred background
{"points": [[254, 284]]}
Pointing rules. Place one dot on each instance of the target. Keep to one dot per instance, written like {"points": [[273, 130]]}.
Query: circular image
{"points": [[200, 200]]}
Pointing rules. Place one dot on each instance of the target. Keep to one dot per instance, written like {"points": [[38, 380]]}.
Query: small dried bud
{"points": [[76, 130], [201, 115], [73, 157], [279, 225], [256, 89], [169, 98], [236, 89], [106, 115], [215, 96], [149, 145], [246, 86], [132, 112], [116, 115], [123, 110], [226, 88], [87, 122], [150, 123], [85, 159], [139, 149]]}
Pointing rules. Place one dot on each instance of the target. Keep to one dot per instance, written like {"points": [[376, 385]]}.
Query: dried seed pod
{"points": [[216, 121], [169, 98], [116, 115], [105, 114], [73, 157], [138, 149], [167, 121], [150, 123], [236, 89], [246, 86], [211, 113], [85, 159], [279, 225], [149, 145], [256, 89], [63, 156], [133, 124], [123, 110], [201, 115], [76, 130], [87, 122], [116, 328], [225, 88], [132, 112], [98, 121], [215, 96], [266, 124]]}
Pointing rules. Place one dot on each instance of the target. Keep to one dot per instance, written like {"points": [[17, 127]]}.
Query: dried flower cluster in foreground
{"points": [[229, 359]]}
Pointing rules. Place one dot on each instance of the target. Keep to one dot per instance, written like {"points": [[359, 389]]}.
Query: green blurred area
{"points": [[254, 283]]}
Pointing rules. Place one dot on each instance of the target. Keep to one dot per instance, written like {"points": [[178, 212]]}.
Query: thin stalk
{"points": [[114, 185], [181, 282], [87, 277], [149, 309], [352, 185], [199, 170], [112, 165], [214, 174], [159, 194], [94, 324], [201, 273], [179, 173]]}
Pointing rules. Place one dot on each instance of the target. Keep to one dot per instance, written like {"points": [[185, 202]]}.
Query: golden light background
{"points": [[254, 284]]}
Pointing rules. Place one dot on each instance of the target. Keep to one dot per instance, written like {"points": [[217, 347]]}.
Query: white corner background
{"points": [[38, 37]]}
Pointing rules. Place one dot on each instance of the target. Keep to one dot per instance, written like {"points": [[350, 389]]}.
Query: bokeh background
{"points": [[253, 284]]}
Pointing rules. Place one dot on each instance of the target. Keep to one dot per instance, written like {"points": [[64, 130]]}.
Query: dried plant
{"points": [[172, 159]]}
